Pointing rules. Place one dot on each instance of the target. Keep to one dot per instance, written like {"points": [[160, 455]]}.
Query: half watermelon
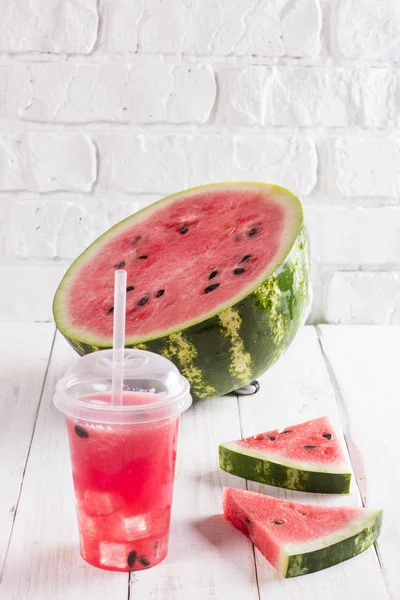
{"points": [[300, 538], [218, 280], [306, 457]]}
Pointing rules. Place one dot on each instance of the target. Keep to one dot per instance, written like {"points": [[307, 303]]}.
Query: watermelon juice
{"points": [[123, 478], [123, 453]]}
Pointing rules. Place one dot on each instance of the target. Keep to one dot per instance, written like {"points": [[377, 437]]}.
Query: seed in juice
{"points": [[81, 431], [144, 561], [132, 558]]}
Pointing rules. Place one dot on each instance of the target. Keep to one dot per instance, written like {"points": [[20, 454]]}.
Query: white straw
{"points": [[119, 335]]}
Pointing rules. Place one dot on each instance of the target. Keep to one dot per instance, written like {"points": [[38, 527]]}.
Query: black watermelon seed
{"points": [[246, 258], [238, 271], [144, 561], [156, 545], [110, 311], [213, 274], [132, 558], [278, 522], [130, 288], [143, 257], [272, 438], [287, 431], [309, 447], [184, 229], [328, 436], [81, 431], [143, 301], [160, 293], [120, 265], [212, 287], [248, 521], [253, 232], [137, 239]]}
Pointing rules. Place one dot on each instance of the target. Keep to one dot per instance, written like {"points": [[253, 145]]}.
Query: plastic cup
{"points": [[123, 456]]}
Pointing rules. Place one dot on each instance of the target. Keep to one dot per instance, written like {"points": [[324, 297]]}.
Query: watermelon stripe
{"points": [[240, 366], [266, 471], [211, 353], [310, 562], [180, 349]]}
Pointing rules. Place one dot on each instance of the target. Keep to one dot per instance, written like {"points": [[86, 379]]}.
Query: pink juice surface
{"points": [[123, 478]]}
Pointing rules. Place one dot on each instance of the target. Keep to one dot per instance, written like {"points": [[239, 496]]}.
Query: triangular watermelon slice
{"points": [[305, 457], [300, 538]]}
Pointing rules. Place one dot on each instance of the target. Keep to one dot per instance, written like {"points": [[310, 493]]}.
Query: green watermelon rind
{"points": [[289, 474], [234, 346], [356, 537]]}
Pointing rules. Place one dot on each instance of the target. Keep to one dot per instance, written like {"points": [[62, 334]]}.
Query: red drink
{"points": [[123, 477], [123, 450]]}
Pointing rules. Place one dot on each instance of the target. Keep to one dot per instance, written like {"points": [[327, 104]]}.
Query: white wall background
{"points": [[106, 106]]}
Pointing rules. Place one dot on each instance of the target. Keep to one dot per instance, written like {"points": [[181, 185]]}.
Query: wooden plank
{"points": [[24, 353], [365, 363], [297, 389], [43, 561], [208, 558]]}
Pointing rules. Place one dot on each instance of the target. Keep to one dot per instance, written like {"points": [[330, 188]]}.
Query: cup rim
{"points": [[70, 404]]}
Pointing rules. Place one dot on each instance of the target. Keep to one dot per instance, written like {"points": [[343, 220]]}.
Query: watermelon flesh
{"points": [[300, 538], [310, 444], [217, 281], [182, 261], [305, 457]]}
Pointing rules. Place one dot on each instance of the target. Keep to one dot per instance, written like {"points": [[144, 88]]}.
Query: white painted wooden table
{"points": [[350, 374]]}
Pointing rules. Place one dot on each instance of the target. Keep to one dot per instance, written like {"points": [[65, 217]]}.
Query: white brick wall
{"points": [[106, 105]]}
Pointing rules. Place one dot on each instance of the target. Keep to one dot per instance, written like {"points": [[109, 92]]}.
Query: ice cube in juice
{"points": [[123, 478]]}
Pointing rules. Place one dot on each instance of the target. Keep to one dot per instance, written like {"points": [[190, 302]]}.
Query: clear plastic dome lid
{"points": [[152, 388]]}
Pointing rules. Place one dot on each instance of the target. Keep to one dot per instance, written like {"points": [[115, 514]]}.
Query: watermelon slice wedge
{"points": [[300, 538], [306, 457], [218, 282]]}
